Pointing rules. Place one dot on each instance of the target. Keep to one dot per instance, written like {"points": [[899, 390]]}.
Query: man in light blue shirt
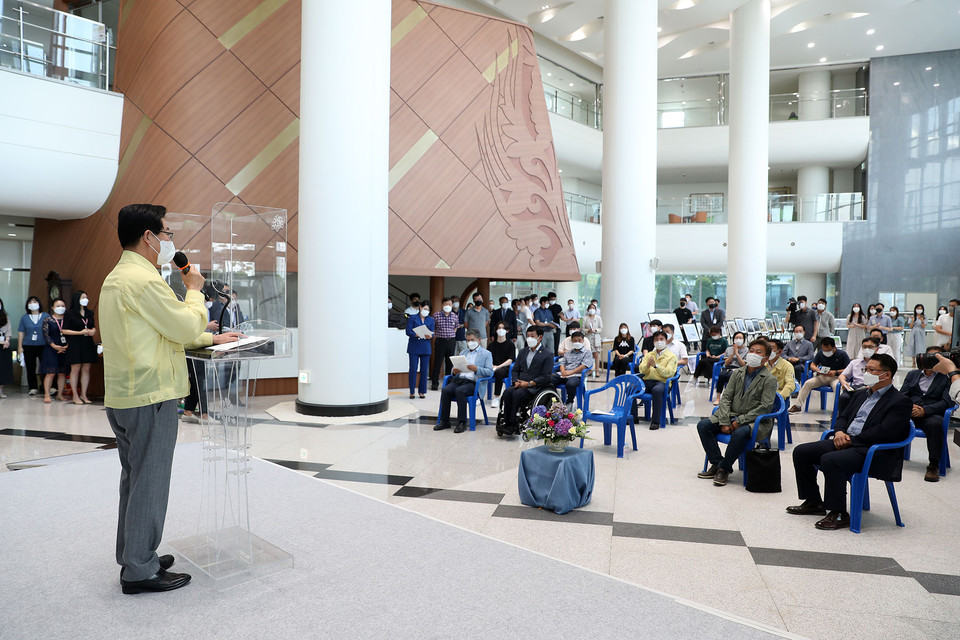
{"points": [[463, 384]]}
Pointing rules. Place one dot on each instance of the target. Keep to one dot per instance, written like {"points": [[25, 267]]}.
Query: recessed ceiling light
{"points": [[870, 32], [811, 45], [544, 7], [708, 99], [936, 84], [879, 47], [684, 103], [549, 74], [659, 29], [928, 68], [823, 59], [571, 84], [560, 170], [896, 84]]}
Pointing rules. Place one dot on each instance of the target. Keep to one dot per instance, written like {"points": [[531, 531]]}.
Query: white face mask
{"points": [[798, 337], [738, 342], [570, 306], [59, 310], [424, 312], [821, 307], [856, 309], [870, 379], [659, 345], [472, 345], [447, 308], [624, 331], [167, 249], [669, 336], [802, 305], [753, 359], [713, 337], [894, 314], [943, 312], [867, 353], [33, 306], [531, 342], [578, 346], [592, 312], [389, 306], [456, 305], [501, 332], [84, 302], [828, 354]]}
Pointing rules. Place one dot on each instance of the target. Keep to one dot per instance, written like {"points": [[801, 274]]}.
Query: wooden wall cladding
{"points": [[211, 113]]}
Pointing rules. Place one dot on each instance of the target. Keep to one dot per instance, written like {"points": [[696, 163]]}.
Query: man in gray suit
{"points": [[463, 384], [751, 392], [712, 316]]}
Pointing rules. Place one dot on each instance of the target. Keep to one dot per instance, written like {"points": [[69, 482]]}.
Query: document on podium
{"points": [[423, 331]]}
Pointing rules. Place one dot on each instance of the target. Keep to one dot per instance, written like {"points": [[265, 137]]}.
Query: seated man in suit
{"points": [[751, 392], [876, 414], [781, 370], [531, 373], [463, 384], [797, 351], [574, 362], [656, 368], [928, 391]]}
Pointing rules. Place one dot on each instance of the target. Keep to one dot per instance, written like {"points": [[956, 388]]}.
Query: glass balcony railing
{"points": [[582, 208], [53, 44], [572, 106], [825, 207]]}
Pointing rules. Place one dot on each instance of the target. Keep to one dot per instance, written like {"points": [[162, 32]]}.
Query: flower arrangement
{"points": [[555, 426]]}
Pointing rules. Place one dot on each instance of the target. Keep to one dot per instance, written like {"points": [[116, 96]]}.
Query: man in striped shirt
{"points": [[445, 344]]}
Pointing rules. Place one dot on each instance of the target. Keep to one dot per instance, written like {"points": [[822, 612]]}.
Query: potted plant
{"points": [[557, 426]]}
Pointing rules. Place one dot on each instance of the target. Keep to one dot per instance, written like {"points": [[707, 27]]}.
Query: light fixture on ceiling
{"points": [[879, 47], [12, 235], [823, 59], [896, 84], [659, 29], [936, 84], [811, 45], [559, 170], [684, 103], [708, 99], [870, 32], [549, 74], [544, 7], [928, 68], [571, 84]]}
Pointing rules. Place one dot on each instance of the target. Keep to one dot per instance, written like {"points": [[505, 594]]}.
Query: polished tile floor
{"points": [[651, 521]]}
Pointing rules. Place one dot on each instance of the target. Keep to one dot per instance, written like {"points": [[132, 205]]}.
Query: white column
{"points": [[815, 104], [811, 182], [749, 153], [629, 214], [342, 241]]}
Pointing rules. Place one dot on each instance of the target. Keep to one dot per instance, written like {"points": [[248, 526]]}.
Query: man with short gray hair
{"points": [[463, 384]]}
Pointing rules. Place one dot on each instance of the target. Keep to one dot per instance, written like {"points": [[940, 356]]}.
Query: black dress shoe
{"points": [[166, 562], [165, 581], [834, 520], [434, 387], [461, 427], [709, 473], [441, 426], [654, 426], [720, 479], [808, 508]]}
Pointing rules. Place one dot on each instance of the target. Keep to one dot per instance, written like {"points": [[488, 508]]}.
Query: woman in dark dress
{"points": [[6, 361], [53, 362], [503, 351], [82, 351], [624, 348]]}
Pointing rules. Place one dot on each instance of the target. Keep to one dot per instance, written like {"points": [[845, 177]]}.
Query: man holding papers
{"points": [[472, 364]]}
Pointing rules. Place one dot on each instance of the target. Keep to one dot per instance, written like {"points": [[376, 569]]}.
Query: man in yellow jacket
{"points": [[781, 370], [656, 368], [145, 328]]}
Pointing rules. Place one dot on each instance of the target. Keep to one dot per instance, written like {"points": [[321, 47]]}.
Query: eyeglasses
{"points": [[169, 234], [874, 370]]}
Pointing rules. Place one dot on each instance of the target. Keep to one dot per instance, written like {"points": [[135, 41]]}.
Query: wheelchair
{"points": [[544, 398]]}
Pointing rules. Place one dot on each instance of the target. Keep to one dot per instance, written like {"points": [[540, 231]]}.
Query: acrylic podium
{"points": [[242, 254]]}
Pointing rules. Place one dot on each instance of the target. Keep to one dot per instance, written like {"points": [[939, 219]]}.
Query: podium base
{"points": [[232, 556]]}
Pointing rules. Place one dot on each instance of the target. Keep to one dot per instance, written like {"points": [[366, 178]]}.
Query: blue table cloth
{"points": [[560, 482]]}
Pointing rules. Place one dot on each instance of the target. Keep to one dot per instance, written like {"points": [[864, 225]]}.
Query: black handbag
{"points": [[763, 469]]}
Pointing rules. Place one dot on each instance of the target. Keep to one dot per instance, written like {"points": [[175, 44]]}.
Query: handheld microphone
{"points": [[180, 259]]}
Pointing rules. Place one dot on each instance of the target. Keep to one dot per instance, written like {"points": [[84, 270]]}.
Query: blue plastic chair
{"points": [[859, 489], [626, 388], [673, 394], [507, 381], [784, 432], [717, 368], [945, 456], [581, 389], [632, 365], [805, 373], [778, 408], [471, 402]]}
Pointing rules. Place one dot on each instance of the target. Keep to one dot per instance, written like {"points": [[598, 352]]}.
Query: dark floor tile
{"points": [[73, 437], [828, 561], [678, 534], [30, 433], [358, 476], [455, 495], [301, 465], [533, 513], [938, 583]]}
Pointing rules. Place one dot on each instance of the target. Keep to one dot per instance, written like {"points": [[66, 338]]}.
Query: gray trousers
{"points": [[146, 437]]}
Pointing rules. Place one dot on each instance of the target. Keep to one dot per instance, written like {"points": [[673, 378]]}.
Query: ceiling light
{"points": [[708, 99], [823, 59], [560, 170], [879, 47], [811, 45], [928, 68], [544, 7], [896, 84], [549, 74], [936, 84], [571, 84], [13, 235], [684, 103], [870, 32]]}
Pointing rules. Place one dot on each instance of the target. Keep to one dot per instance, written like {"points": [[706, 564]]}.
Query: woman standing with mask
{"points": [[592, 326], [917, 341], [82, 352], [895, 337], [54, 359], [856, 326], [30, 333], [418, 347], [6, 362]]}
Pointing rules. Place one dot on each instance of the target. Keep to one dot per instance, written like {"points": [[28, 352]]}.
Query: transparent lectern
{"points": [[242, 252]]}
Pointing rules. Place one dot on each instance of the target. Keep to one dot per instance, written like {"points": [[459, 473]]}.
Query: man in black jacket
{"points": [[927, 390], [876, 414], [531, 373]]}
